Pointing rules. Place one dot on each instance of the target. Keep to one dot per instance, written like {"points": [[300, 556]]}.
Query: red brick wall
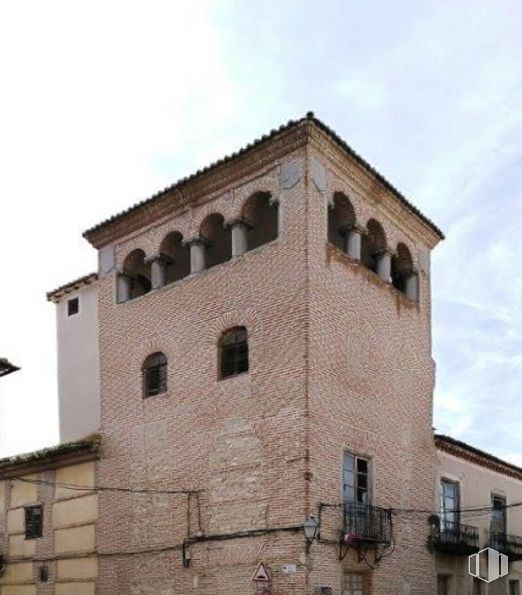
{"points": [[338, 360], [371, 383], [241, 440]]}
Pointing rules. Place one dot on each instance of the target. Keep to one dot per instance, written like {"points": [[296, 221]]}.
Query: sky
{"points": [[104, 103]]}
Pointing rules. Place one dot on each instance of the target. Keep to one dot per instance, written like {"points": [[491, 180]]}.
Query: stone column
{"points": [[411, 286], [384, 264], [353, 237], [158, 266], [197, 256], [239, 230], [123, 287]]}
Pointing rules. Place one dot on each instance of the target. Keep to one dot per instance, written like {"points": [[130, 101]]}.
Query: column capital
{"points": [[385, 252], [353, 227], [198, 240], [239, 221]]}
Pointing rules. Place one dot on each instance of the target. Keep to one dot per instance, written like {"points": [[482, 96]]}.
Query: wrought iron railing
{"points": [[367, 524], [452, 537], [511, 545]]}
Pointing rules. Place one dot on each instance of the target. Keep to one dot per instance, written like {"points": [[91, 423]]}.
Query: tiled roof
{"points": [[52, 457], [59, 292], [310, 117], [475, 455]]}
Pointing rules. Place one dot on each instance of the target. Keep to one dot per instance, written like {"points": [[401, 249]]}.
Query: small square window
{"points": [[33, 522], [73, 306]]}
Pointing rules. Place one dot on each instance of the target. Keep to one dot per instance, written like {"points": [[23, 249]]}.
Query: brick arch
{"points": [[137, 357], [123, 252], [351, 196], [219, 325], [214, 207]]}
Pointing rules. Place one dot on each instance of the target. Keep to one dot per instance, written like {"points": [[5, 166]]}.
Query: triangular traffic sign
{"points": [[262, 574]]}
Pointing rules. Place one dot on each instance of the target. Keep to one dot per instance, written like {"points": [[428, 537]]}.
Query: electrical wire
{"points": [[99, 488]]}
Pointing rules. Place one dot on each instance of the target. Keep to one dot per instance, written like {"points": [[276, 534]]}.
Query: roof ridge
{"points": [[309, 117]]}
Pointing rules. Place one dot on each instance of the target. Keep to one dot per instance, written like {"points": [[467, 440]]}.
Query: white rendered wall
{"points": [[78, 365]]}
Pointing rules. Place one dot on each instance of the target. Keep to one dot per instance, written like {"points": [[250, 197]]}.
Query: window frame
{"points": [[354, 589], [239, 351], [356, 473], [444, 513], [33, 529], [161, 369], [70, 301], [503, 520]]}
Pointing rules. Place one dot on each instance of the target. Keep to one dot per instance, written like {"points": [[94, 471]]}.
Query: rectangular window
{"points": [[498, 514], [443, 583], [449, 505], [73, 306], [514, 587], [354, 584], [356, 479], [33, 522]]}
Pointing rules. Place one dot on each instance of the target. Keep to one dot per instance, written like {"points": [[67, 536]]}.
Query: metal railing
{"points": [[511, 545], [450, 536], [367, 524]]}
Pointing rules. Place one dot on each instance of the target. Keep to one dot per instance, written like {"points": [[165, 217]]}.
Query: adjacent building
{"points": [[255, 350]]}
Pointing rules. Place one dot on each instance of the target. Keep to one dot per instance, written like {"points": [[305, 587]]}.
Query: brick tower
{"points": [[265, 356]]}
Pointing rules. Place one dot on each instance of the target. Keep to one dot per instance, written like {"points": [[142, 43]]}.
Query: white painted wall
{"points": [[78, 365]]}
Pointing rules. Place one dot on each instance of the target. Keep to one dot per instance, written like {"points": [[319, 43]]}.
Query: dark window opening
{"points": [[341, 217], [33, 522], [514, 587], [73, 306], [234, 352], [154, 372], [262, 215], [44, 574], [218, 238]]}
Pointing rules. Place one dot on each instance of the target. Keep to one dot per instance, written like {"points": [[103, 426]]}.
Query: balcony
{"points": [[510, 545], [367, 525], [453, 538]]}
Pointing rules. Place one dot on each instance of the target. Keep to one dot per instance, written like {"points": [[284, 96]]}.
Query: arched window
{"points": [[137, 272], [372, 243], [341, 217], [233, 352], [219, 240], [404, 277], [154, 371], [262, 216], [177, 257]]}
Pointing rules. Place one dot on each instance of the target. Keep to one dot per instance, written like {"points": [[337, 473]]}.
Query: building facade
{"points": [[48, 515], [299, 249], [256, 351], [479, 498], [78, 357]]}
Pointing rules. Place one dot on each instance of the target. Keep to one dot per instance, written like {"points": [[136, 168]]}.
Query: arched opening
{"points": [[154, 374], [262, 216], [137, 272], [341, 217], [176, 256], [219, 248], [402, 272], [372, 243], [233, 352]]}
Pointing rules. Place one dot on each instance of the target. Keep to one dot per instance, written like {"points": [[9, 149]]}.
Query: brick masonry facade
{"points": [[339, 360]]}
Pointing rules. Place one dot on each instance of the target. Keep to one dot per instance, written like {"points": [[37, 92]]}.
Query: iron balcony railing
{"points": [[367, 524], [511, 545], [454, 538]]}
